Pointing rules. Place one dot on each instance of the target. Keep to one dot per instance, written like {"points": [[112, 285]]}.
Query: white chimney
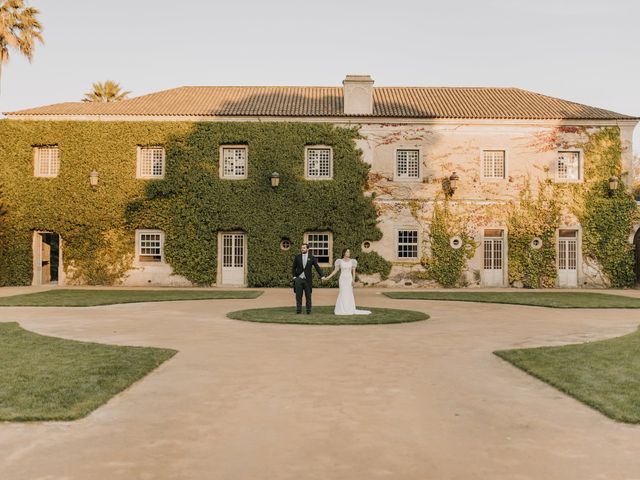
{"points": [[358, 95]]}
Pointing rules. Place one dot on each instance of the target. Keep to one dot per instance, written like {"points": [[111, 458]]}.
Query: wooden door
{"points": [[46, 262]]}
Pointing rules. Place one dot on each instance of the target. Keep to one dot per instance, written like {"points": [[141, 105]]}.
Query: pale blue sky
{"points": [[582, 50]]}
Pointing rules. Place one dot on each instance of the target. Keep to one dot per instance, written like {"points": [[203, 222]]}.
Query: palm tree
{"points": [[19, 29], [108, 91]]}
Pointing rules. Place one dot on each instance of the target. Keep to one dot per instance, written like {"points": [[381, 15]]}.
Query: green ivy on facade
{"points": [[191, 204]]}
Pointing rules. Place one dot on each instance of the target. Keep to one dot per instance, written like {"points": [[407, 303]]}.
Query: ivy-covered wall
{"points": [[191, 204]]}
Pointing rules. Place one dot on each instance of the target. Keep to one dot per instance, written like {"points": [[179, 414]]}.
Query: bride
{"points": [[346, 304]]}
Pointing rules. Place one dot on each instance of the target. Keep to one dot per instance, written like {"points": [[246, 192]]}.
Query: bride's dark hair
{"points": [[344, 250]]}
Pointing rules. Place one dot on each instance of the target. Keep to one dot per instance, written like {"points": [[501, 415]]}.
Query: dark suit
{"points": [[304, 284]]}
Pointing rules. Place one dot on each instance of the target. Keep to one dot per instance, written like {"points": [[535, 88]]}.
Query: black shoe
{"points": [[298, 311], [308, 312]]}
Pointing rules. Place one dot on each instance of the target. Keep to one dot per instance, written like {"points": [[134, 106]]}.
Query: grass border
{"points": [[303, 319], [89, 400], [413, 295], [59, 299], [565, 388]]}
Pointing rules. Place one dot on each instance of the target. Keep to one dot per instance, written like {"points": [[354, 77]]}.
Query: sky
{"points": [[586, 51]]}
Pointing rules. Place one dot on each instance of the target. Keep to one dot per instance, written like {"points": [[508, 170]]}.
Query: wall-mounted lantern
{"points": [[275, 180], [451, 184], [93, 179], [613, 184]]}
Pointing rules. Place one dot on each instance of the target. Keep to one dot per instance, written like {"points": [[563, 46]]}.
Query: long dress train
{"points": [[346, 303]]}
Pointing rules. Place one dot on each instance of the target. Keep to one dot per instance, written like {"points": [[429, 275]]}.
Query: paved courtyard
{"points": [[424, 400]]}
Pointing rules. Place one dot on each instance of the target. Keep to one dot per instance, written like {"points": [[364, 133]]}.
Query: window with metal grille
{"points": [[319, 163], [150, 245], [408, 244], [568, 166], [47, 161], [407, 164], [493, 164], [234, 162], [151, 162], [319, 245]]}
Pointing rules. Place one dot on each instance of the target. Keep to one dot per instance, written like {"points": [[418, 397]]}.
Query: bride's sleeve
{"points": [[336, 263], [355, 263]]}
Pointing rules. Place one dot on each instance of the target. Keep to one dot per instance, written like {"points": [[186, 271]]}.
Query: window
{"points": [[285, 244], [46, 161], [568, 166], [493, 164], [407, 164], [318, 163], [150, 245], [408, 244], [234, 162], [320, 245], [151, 162]]}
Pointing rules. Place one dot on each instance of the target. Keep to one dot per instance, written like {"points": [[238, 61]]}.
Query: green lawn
{"points": [[89, 298], [538, 299], [325, 316], [48, 378], [604, 375]]}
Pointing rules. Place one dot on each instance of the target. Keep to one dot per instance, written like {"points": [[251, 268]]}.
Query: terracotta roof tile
{"points": [[398, 102]]}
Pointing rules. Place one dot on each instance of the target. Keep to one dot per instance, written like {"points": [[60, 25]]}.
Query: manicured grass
{"points": [[48, 378], [89, 298], [537, 299], [604, 374], [325, 316]]}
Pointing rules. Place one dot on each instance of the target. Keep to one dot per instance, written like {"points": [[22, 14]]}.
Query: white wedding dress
{"points": [[346, 303]]}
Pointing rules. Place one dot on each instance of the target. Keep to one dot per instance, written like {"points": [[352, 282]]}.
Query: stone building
{"points": [[475, 149]]}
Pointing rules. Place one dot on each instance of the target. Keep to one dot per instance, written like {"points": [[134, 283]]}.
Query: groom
{"points": [[302, 276]]}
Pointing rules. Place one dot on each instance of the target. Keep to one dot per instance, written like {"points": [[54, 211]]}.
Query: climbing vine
{"points": [[606, 219], [446, 264], [191, 204], [533, 217]]}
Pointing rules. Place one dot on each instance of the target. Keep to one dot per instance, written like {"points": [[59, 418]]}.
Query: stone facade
{"points": [[450, 135], [531, 151]]}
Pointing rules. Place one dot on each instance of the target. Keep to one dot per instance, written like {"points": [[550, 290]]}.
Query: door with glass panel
{"points": [[493, 250], [568, 258], [233, 255]]}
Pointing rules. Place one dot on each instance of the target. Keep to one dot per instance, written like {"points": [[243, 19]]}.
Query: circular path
{"points": [[246, 400]]}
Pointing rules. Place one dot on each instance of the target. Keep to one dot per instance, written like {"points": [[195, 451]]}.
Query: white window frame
{"points": [[37, 161], [246, 162], [505, 176], [397, 244], [306, 162], [138, 252], [139, 156], [330, 246], [580, 166], [407, 178]]}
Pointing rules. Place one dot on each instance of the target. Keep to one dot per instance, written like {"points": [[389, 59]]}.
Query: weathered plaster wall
{"points": [[531, 155]]}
